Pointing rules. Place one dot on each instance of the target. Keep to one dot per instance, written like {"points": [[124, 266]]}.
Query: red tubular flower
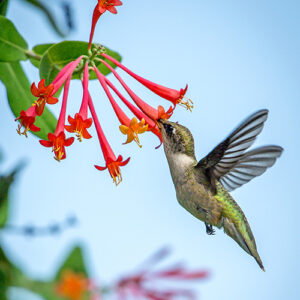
{"points": [[101, 8], [176, 97], [44, 94], [96, 16], [138, 113], [146, 108], [58, 140], [109, 5], [128, 127], [179, 273], [142, 284], [113, 163], [64, 73], [80, 123], [27, 119], [152, 126]]}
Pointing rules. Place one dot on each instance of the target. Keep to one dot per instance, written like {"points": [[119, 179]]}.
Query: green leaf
{"points": [[58, 55], [12, 45], [8, 274], [39, 50], [5, 185], [3, 8], [12, 276], [20, 97], [5, 275], [74, 262], [48, 15]]}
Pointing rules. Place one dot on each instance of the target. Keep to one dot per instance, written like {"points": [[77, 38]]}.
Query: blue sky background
{"points": [[237, 57]]}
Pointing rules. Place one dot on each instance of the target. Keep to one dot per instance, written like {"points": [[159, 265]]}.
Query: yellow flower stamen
{"points": [[24, 132], [115, 173], [58, 153], [186, 102], [58, 156], [78, 134]]}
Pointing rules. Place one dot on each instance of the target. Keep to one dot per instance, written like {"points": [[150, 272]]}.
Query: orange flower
{"points": [[113, 165], [133, 130], [72, 285], [58, 143], [44, 94], [79, 126], [58, 140], [162, 114], [80, 123]]}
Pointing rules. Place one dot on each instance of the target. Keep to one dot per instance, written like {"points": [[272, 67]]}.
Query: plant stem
{"points": [[30, 53]]}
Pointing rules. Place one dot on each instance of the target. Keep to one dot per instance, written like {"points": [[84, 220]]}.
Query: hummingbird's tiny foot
{"points": [[209, 229]]}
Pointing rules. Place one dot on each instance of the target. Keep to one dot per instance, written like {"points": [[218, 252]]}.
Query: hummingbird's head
{"points": [[176, 138]]}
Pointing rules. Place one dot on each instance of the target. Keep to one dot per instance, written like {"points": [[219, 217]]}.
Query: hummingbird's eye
{"points": [[169, 129]]}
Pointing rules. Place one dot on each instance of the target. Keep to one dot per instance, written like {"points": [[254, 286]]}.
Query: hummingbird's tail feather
{"points": [[244, 238]]}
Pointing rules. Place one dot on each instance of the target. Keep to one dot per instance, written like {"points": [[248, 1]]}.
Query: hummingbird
{"points": [[202, 187]]}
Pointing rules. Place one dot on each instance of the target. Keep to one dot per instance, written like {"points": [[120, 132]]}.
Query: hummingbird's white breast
{"points": [[179, 163]]}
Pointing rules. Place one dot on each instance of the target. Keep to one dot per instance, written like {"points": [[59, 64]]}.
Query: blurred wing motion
{"points": [[229, 163]]}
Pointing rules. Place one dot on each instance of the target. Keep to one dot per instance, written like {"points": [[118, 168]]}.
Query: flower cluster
{"points": [[147, 283], [144, 117]]}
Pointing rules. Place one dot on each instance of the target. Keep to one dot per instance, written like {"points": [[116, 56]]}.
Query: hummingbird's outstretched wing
{"points": [[229, 163], [250, 165]]}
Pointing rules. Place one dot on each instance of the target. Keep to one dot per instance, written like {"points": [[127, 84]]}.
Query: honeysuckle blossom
{"points": [[144, 117], [112, 163], [109, 5], [101, 7], [144, 284], [72, 286], [27, 119], [44, 94], [131, 128], [147, 282], [58, 140], [146, 108], [175, 96], [81, 122], [152, 125]]}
